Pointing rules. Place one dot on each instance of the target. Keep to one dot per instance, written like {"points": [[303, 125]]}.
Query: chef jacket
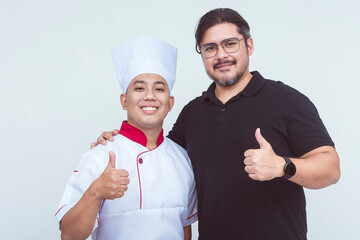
{"points": [[161, 198]]}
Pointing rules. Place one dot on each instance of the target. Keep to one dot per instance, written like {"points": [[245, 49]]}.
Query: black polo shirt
{"points": [[216, 135]]}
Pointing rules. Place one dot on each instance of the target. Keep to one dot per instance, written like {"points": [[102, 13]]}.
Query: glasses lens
{"points": [[208, 50], [231, 45]]}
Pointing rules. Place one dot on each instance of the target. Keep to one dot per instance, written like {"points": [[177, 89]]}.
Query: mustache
{"points": [[224, 62]]}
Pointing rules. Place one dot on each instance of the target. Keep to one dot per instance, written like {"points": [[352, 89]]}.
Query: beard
{"points": [[229, 81], [226, 83]]}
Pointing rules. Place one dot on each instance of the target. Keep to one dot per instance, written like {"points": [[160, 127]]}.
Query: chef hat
{"points": [[144, 54]]}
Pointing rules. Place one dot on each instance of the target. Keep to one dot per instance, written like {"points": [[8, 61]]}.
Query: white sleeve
{"points": [[192, 207], [86, 172]]}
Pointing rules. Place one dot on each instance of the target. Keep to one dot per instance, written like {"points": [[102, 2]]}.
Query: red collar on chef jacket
{"points": [[137, 135]]}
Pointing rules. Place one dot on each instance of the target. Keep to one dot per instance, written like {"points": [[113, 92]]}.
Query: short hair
{"points": [[217, 16]]}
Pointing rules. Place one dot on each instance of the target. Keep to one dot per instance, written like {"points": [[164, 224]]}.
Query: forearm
{"points": [[317, 169], [187, 232], [79, 221]]}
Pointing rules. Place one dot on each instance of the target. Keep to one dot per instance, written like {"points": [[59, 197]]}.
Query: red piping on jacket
{"points": [[136, 135], [191, 216], [97, 219], [59, 210], [137, 165]]}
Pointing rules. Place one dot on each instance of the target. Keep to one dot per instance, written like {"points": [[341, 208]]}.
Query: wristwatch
{"points": [[289, 168]]}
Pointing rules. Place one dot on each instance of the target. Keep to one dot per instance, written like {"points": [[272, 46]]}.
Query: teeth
{"points": [[149, 108]]}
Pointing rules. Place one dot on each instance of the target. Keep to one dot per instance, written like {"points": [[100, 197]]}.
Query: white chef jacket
{"points": [[161, 198]]}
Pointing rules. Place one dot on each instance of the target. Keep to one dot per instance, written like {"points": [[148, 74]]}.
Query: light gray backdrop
{"points": [[58, 91]]}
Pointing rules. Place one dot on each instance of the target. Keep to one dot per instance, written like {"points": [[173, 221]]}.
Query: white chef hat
{"points": [[144, 54]]}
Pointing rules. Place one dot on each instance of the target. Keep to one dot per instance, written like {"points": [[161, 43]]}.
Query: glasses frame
{"points": [[198, 49]]}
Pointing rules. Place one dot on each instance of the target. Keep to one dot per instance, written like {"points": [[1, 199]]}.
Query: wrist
{"points": [[281, 165], [94, 192]]}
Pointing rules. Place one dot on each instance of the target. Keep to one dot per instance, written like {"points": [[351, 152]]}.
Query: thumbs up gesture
{"points": [[112, 183], [263, 164]]}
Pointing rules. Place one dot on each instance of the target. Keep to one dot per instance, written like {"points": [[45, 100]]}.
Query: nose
{"points": [[221, 53], [149, 95]]}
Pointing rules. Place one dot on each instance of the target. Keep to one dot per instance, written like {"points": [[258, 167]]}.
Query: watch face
{"points": [[290, 170]]}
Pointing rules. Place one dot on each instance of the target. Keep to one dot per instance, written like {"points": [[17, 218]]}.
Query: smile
{"points": [[149, 108]]}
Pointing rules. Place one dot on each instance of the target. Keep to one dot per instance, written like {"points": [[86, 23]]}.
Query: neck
{"points": [[225, 93], [147, 136], [152, 135]]}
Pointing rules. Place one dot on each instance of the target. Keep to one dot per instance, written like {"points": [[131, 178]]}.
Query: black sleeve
{"points": [[177, 133], [305, 129]]}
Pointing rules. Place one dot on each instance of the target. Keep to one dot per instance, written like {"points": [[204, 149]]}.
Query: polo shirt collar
{"points": [[255, 84], [136, 135]]}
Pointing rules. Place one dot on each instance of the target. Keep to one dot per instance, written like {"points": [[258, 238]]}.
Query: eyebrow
{"points": [[160, 82], [211, 43], [142, 82], [139, 81]]}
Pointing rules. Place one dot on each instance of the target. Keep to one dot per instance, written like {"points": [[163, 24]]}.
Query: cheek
{"points": [[133, 100], [241, 58], [208, 65], [166, 104]]}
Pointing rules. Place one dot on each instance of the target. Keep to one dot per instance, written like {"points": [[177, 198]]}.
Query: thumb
{"points": [[261, 140], [112, 159]]}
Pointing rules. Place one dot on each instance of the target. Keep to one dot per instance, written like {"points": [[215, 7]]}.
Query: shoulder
{"points": [[174, 147], [178, 154], [280, 87], [193, 104], [281, 92], [100, 151]]}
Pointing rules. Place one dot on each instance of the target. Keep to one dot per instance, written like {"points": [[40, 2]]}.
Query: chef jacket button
{"points": [[141, 160]]}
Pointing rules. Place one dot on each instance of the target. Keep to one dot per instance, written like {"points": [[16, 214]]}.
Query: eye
{"points": [[230, 43], [139, 89], [209, 48], [160, 89]]}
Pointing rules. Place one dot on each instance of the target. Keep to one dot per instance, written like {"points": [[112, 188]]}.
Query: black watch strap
{"points": [[289, 168]]}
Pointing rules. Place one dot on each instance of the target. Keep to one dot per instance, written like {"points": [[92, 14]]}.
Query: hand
{"points": [[263, 164], [103, 137], [112, 183]]}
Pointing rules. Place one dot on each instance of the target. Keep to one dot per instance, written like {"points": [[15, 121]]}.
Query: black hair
{"points": [[217, 16]]}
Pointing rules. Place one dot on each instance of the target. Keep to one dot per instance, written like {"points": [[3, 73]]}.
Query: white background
{"points": [[59, 91]]}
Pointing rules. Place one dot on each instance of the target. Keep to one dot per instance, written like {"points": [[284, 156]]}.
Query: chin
{"points": [[226, 82], [151, 124]]}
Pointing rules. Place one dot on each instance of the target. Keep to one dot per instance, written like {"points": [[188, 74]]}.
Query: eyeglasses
{"points": [[209, 50]]}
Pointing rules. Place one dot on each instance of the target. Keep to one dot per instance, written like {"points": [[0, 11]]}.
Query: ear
{"points": [[172, 101], [250, 46], [123, 101]]}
